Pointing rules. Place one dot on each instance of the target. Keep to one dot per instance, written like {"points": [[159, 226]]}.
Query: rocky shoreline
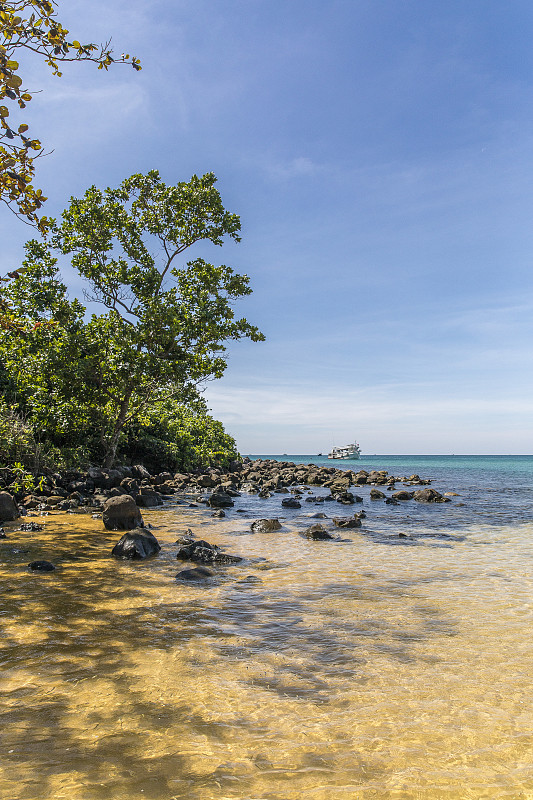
{"points": [[118, 496]]}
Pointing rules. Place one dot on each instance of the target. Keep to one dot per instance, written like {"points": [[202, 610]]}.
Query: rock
{"points": [[346, 498], [8, 508], [121, 514], [148, 498], [31, 526], [140, 472], [375, 494], [291, 502], [429, 496], [219, 513], [317, 532], [403, 494], [264, 493], [220, 500], [347, 522], [41, 566], [194, 574], [138, 543], [319, 515], [265, 525], [205, 553]]}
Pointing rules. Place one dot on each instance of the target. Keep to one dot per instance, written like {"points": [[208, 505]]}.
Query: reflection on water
{"points": [[313, 670]]}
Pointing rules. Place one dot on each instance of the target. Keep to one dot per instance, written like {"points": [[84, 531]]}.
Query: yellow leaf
{"points": [[4, 111]]}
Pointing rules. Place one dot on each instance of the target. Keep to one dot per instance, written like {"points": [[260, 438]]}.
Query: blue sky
{"points": [[380, 155]]}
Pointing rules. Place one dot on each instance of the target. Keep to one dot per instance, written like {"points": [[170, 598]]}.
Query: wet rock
{"points": [[219, 513], [3, 534], [31, 526], [317, 532], [264, 493], [403, 494], [194, 574], [265, 525], [41, 566], [138, 543], [8, 508], [121, 514], [391, 501], [347, 522], [291, 502], [148, 498], [429, 496], [375, 494], [205, 553], [220, 499], [346, 498]]}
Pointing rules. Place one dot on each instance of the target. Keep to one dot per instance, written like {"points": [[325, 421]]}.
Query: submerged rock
{"points": [[317, 532], [41, 566], [291, 502], [138, 543], [205, 553], [347, 522], [265, 525], [194, 574]]}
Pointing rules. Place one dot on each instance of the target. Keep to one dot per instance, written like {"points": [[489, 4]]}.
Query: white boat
{"points": [[348, 451]]}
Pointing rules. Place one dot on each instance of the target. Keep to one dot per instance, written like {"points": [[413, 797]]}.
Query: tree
{"points": [[165, 329], [32, 25]]}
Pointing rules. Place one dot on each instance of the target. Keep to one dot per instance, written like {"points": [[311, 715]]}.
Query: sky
{"points": [[380, 156]]}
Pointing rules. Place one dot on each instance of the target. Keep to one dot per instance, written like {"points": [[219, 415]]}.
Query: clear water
{"points": [[379, 667]]}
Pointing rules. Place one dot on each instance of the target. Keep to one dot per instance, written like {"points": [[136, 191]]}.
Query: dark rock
{"points": [[194, 574], [429, 496], [265, 525], [220, 500], [205, 553], [346, 498], [31, 526], [264, 493], [375, 494], [138, 543], [140, 472], [148, 498], [347, 522], [391, 501], [291, 502], [219, 513], [41, 566], [121, 514], [8, 508], [317, 533], [403, 494]]}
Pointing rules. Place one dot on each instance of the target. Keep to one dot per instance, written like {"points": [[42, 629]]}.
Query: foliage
{"points": [[92, 382], [166, 326], [32, 25], [179, 437], [17, 442]]}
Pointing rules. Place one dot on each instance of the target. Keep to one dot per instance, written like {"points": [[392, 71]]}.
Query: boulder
{"points": [[347, 522], [138, 543], [317, 532], [291, 502], [140, 472], [148, 498], [265, 525], [8, 508], [220, 500], [375, 494], [41, 566], [219, 513], [403, 494], [121, 514], [429, 496], [194, 574], [205, 553]]}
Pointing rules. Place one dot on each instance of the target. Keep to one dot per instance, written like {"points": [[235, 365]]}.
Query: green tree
{"points": [[165, 329], [32, 25]]}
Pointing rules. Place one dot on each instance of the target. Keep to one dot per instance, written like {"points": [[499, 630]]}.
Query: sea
{"points": [[394, 663]]}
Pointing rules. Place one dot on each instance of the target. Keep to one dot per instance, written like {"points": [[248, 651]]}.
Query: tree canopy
{"points": [[33, 26], [165, 326]]}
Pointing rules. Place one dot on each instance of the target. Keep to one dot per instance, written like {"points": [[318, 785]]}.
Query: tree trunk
{"points": [[111, 450]]}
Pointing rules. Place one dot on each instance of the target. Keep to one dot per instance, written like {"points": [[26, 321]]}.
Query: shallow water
{"points": [[376, 667]]}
